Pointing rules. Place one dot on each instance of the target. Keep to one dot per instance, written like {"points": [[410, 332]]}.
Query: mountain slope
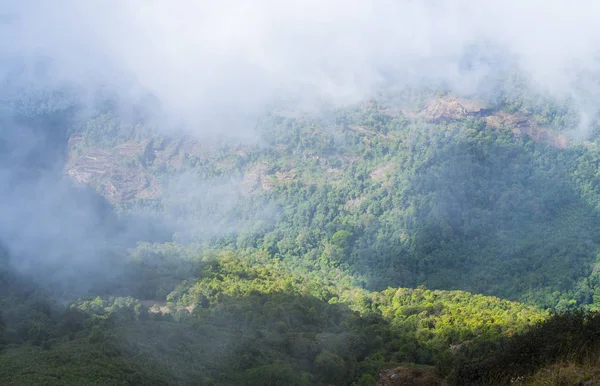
{"points": [[327, 251], [238, 323], [447, 196]]}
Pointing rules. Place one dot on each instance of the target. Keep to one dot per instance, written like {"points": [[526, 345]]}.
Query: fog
{"points": [[215, 67], [211, 71]]}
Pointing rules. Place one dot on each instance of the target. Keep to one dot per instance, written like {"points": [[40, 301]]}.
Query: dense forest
{"points": [[368, 194], [431, 242]]}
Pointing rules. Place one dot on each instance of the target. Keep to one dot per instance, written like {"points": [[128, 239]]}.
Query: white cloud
{"points": [[214, 63]]}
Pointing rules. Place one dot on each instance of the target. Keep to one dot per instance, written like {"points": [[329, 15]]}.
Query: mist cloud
{"points": [[216, 65]]}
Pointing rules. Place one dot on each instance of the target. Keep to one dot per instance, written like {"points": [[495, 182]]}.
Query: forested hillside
{"points": [[389, 242], [244, 321], [299, 193], [487, 200]]}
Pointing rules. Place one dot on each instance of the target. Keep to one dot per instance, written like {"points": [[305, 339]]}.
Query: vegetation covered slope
{"points": [[487, 201], [563, 350], [242, 323], [328, 251]]}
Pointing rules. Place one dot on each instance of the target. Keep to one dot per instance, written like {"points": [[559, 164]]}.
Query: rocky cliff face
{"points": [[118, 174], [128, 171]]}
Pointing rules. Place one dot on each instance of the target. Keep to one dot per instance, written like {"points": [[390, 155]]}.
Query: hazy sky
{"points": [[213, 63]]}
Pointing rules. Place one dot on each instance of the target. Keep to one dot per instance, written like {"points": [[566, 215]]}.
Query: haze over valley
{"points": [[300, 193]]}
